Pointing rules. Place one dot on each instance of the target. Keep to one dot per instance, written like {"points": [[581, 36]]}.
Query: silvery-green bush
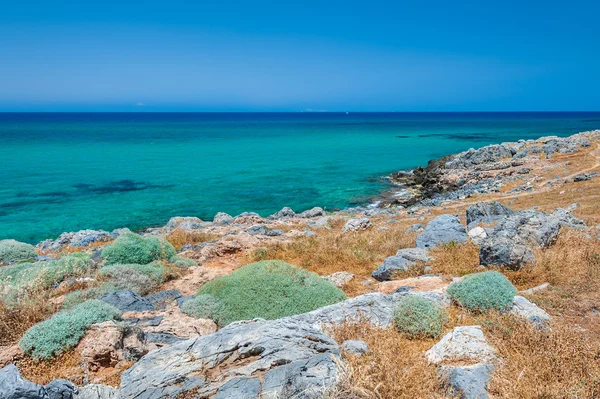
{"points": [[79, 296], [419, 317], [482, 291], [130, 248], [14, 251], [204, 307], [142, 279], [270, 290], [65, 329], [17, 281]]}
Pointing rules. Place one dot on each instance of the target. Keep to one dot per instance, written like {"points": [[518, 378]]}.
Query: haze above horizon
{"points": [[268, 57]]}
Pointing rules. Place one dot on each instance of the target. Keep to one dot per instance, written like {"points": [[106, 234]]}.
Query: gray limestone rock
{"points": [[14, 386], [222, 218], [288, 353], [97, 391], [487, 212], [470, 382], [128, 301], [442, 230], [357, 224], [312, 213], [402, 261], [357, 347]]}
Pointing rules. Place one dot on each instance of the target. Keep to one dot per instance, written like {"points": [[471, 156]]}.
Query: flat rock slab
{"points": [[280, 354], [462, 344], [374, 308], [522, 307], [97, 391], [415, 284]]}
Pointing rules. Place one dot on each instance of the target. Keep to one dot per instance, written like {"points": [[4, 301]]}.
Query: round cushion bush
{"points": [[142, 279], [270, 290], [133, 248], [482, 291], [14, 251], [419, 317], [204, 307], [65, 329]]}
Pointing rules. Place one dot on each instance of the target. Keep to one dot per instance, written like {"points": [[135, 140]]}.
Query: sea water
{"points": [[70, 171]]}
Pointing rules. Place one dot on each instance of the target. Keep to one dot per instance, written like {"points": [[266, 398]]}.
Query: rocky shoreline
{"points": [[160, 350]]}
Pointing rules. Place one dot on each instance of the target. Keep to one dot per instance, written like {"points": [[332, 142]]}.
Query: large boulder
{"points": [[443, 229], [487, 212], [504, 251], [402, 261], [60, 389], [254, 358], [14, 386]]}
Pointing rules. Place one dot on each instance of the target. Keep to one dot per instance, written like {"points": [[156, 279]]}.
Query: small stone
{"points": [[355, 347], [357, 224], [467, 342], [528, 310], [339, 279], [477, 235]]}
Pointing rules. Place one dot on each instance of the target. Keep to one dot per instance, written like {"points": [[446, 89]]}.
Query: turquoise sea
{"points": [[70, 171]]}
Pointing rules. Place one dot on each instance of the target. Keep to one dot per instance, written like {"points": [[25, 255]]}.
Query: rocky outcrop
{"points": [[402, 261], [374, 308], [487, 212], [186, 223], [128, 301], [477, 235], [509, 243], [81, 238], [14, 386], [255, 357], [284, 213], [443, 229], [312, 213], [466, 361], [108, 344], [222, 219], [97, 391], [357, 225]]}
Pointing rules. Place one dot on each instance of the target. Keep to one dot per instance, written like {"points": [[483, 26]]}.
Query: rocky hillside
{"points": [[477, 276]]}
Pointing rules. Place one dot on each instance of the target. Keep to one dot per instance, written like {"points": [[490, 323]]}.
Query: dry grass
{"points": [[42, 372], [179, 237], [558, 363], [455, 259], [14, 321], [332, 251], [394, 367]]}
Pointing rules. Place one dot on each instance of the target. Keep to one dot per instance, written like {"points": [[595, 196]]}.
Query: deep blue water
{"points": [[65, 172]]}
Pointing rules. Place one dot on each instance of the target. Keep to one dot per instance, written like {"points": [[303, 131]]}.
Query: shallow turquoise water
{"points": [[65, 172]]}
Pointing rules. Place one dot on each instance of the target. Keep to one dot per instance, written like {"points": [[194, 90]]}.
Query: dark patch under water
{"points": [[118, 186]]}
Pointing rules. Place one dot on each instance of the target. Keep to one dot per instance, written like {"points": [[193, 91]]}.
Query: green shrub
{"points": [[132, 248], [419, 317], [14, 251], [183, 262], [17, 280], [481, 291], [76, 297], [204, 307], [142, 279], [270, 290], [64, 330]]}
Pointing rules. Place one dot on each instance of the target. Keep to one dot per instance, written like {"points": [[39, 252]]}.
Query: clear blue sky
{"points": [[303, 55]]}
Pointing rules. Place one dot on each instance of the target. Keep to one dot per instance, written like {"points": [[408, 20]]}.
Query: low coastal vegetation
{"points": [[483, 291], [205, 306], [419, 317], [131, 248], [15, 251], [270, 290], [64, 330]]}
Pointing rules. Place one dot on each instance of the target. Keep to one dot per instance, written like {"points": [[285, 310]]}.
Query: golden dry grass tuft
{"points": [[394, 367], [560, 362], [179, 237], [14, 321]]}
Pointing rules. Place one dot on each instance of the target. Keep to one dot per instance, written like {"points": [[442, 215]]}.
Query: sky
{"points": [[300, 56]]}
